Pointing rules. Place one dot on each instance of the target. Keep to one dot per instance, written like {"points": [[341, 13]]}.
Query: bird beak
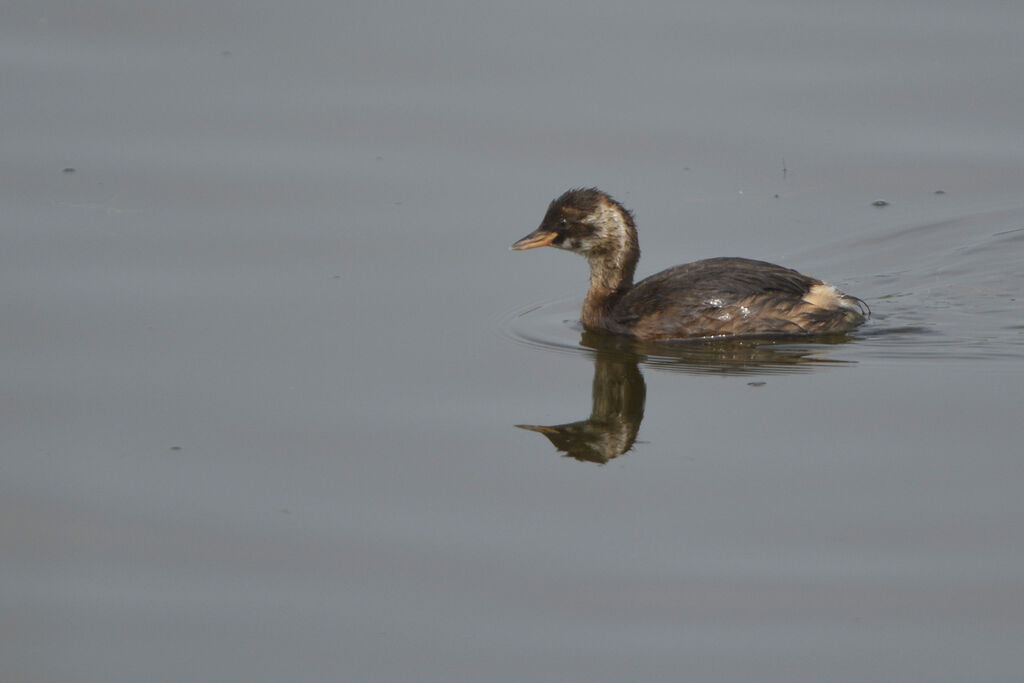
{"points": [[539, 428], [537, 238]]}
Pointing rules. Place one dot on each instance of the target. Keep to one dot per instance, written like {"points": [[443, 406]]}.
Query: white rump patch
{"points": [[828, 297]]}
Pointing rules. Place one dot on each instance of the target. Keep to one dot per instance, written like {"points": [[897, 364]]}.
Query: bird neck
{"points": [[611, 276]]}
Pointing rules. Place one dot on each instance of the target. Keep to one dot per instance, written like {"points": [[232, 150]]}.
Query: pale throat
{"points": [[612, 266]]}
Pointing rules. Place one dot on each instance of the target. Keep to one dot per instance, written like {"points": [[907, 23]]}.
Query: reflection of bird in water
{"points": [[711, 298], [618, 409], [619, 392]]}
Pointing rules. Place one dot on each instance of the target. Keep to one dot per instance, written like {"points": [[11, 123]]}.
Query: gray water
{"points": [[264, 349]]}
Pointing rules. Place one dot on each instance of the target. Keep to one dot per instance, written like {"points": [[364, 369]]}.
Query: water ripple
{"points": [[951, 290], [555, 326]]}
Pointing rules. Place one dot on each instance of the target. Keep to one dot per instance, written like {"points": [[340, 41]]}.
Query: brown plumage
{"points": [[709, 298]]}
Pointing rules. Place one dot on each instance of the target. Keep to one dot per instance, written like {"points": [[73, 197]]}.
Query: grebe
{"points": [[711, 298]]}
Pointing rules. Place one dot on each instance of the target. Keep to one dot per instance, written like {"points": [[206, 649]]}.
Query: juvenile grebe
{"points": [[710, 298]]}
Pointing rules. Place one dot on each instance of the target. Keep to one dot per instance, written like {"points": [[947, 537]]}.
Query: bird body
{"points": [[715, 297]]}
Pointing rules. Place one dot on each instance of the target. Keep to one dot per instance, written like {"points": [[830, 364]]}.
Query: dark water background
{"points": [[264, 348]]}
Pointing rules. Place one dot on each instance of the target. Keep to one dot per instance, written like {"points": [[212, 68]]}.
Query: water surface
{"points": [[264, 348]]}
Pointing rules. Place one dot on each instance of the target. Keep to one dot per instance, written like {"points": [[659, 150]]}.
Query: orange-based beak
{"points": [[539, 428], [537, 238]]}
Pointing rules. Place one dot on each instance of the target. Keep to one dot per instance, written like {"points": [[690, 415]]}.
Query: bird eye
{"points": [[563, 222]]}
